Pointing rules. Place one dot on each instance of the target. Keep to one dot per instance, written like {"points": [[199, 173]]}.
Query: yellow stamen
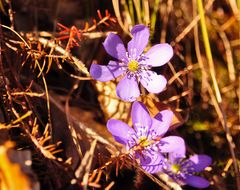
{"points": [[175, 168], [143, 141], [133, 66]]}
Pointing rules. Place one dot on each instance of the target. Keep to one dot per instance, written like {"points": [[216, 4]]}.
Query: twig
{"points": [[229, 56], [192, 24], [165, 21], [77, 63], [10, 13]]}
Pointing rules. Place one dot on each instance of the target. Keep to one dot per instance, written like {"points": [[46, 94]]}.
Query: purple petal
{"points": [[139, 41], [152, 163], [172, 144], [200, 162], [127, 89], [159, 54], [196, 181], [115, 47], [161, 122], [105, 73], [152, 82], [140, 115], [120, 130]]}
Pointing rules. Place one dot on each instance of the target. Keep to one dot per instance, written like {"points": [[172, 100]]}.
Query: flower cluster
{"points": [[145, 141], [155, 152]]}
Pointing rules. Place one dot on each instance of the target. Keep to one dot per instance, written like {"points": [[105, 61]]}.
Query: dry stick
{"points": [[47, 97], [10, 12], [146, 15], [234, 7], [116, 8], [79, 64], [131, 11], [229, 56], [228, 23], [127, 17], [192, 24], [174, 74], [165, 21], [43, 77], [86, 164], [216, 104], [137, 6], [70, 126], [182, 72]]}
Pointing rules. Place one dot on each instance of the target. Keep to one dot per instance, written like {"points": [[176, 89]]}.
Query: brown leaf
{"points": [[11, 176], [154, 106], [111, 105]]}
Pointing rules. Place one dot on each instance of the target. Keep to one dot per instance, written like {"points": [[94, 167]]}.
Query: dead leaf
{"points": [[111, 105], [154, 106], [11, 176]]}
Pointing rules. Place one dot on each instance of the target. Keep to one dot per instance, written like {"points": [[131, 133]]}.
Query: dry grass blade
{"points": [[70, 123], [84, 169], [116, 8], [2, 7], [137, 6], [165, 20], [169, 181], [229, 56], [75, 61], [146, 12], [31, 94], [194, 21], [216, 102]]}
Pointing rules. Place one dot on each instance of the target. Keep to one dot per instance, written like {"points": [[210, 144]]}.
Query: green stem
{"points": [[154, 17], [208, 49]]}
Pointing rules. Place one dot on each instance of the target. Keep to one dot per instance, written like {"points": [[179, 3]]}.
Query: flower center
{"points": [[133, 66], [143, 141], [175, 168]]}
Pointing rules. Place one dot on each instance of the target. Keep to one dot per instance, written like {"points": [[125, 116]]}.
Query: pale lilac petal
{"points": [[140, 115], [127, 89], [152, 163], [115, 47], [120, 130], [196, 181], [139, 41], [152, 82], [172, 144], [178, 153], [159, 54], [161, 122], [200, 162], [105, 73]]}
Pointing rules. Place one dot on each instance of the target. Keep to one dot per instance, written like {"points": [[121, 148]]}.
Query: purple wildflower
{"points": [[145, 139], [133, 64], [182, 170]]}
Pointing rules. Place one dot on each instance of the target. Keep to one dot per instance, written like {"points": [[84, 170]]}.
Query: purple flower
{"points": [[182, 170], [133, 64], [145, 139]]}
